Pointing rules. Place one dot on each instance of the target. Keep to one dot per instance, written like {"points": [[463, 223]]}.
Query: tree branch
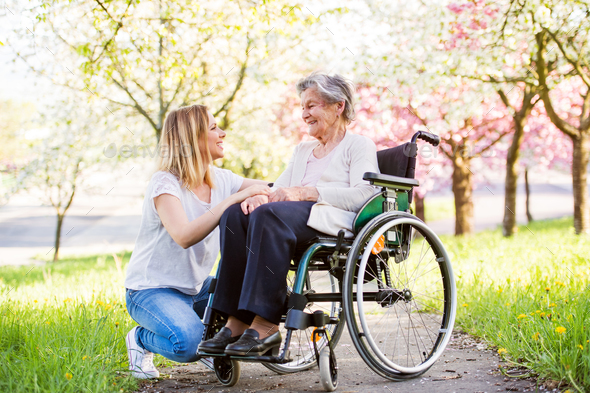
{"points": [[574, 63], [564, 126], [241, 76], [136, 104]]}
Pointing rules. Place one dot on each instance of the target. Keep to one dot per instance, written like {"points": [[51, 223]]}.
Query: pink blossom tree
{"points": [[550, 40]]}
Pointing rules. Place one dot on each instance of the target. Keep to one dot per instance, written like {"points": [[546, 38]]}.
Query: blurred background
{"points": [[85, 87]]}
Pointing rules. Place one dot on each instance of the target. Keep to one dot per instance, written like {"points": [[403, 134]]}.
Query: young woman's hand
{"points": [[252, 203], [258, 189]]}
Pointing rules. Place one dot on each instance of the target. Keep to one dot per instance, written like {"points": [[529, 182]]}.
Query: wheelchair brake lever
{"points": [[334, 257]]}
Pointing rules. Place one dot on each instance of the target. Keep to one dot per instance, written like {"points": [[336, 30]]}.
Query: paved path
{"points": [[466, 366], [108, 219]]}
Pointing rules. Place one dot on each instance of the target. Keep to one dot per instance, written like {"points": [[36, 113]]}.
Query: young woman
{"points": [[178, 242]]}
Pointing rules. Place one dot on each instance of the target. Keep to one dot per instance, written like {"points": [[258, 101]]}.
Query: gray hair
{"points": [[332, 89]]}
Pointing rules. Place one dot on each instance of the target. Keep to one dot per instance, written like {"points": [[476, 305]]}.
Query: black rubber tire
{"points": [[227, 371]]}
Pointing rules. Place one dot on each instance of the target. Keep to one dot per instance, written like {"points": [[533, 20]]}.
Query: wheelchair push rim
{"points": [[428, 334]]}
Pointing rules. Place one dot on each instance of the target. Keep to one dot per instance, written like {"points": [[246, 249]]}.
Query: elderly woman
{"points": [[320, 192]]}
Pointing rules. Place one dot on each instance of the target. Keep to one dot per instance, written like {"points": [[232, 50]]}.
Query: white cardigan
{"points": [[342, 188]]}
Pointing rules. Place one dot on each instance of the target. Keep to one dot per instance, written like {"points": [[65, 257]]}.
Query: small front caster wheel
{"points": [[227, 371], [328, 370]]}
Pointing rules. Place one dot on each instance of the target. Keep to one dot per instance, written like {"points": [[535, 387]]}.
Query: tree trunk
{"points": [[511, 183], [419, 201], [527, 190], [463, 192], [60, 219], [580, 183]]}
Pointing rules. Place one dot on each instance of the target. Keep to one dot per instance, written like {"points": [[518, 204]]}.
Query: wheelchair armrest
{"points": [[381, 180]]}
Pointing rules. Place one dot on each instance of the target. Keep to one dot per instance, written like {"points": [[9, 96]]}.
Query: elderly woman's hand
{"points": [[294, 194], [252, 203]]}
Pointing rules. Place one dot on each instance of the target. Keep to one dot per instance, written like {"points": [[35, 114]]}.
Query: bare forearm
{"points": [[194, 231]]}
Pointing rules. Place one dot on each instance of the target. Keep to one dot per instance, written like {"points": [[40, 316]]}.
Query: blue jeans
{"points": [[169, 320]]}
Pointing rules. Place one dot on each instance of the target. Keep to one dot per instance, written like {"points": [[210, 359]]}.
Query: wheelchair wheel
{"points": [[401, 316], [328, 371], [227, 371], [301, 346]]}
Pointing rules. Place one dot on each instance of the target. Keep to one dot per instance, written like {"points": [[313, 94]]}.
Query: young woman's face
{"points": [[215, 138]]}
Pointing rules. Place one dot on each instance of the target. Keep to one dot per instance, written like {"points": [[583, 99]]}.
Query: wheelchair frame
{"points": [[347, 260]]}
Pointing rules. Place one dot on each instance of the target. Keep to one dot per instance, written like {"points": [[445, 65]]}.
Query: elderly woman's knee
{"points": [[263, 212]]}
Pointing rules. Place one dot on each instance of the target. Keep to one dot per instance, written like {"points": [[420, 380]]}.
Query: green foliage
{"points": [[528, 295]]}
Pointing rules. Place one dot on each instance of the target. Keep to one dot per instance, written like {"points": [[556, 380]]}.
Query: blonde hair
{"points": [[184, 148]]}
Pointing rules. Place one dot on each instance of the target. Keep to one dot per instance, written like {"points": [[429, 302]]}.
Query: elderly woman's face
{"points": [[320, 117]]}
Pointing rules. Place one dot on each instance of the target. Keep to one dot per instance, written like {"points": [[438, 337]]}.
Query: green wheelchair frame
{"points": [[385, 231]]}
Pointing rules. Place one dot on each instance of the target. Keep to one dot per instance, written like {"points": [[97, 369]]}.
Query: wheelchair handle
{"points": [[433, 139]]}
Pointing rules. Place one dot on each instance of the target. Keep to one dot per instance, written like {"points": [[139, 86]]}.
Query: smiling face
{"points": [[215, 138], [322, 119]]}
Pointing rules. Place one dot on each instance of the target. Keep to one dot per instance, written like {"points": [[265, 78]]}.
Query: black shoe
{"points": [[218, 343], [251, 345]]}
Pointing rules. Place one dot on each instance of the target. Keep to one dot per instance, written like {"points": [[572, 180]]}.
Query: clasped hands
{"points": [[280, 195]]}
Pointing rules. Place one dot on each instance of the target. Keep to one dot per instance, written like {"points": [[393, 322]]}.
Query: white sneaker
{"points": [[208, 362], [141, 361]]}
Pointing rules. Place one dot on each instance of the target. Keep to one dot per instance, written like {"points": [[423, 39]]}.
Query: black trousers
{"points": [[256, 251]]}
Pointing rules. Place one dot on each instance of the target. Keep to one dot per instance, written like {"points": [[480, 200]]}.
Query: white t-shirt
{"points": [[158, 261]]}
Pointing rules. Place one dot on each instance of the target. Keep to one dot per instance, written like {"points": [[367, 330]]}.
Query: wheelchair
{"points": [[392, 284]]}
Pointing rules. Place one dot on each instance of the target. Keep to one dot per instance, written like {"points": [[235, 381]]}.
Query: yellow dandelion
{"points": [[538, 311], [502, 351], [85, 357], [547, 289], [580, 346], [465, 305], [35, 300], [542, 314], [67, 300], [100, 303], [552, 305], [117, 324], [500, 290], [69, 376], [47, 322], [508, 303], [560, 329], [536, 336], [521, 316], [108, 307]]}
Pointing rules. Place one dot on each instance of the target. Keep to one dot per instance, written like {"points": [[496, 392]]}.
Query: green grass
{"points": [[529, 296], [437, 209], [69, 319], [62, 327]]}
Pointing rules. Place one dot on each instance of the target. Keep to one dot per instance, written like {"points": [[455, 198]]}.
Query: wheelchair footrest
{"points": [[264, 358], [298, 319]]}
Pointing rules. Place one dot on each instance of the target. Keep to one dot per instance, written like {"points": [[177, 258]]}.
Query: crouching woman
{"points": [[178, 242]]}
